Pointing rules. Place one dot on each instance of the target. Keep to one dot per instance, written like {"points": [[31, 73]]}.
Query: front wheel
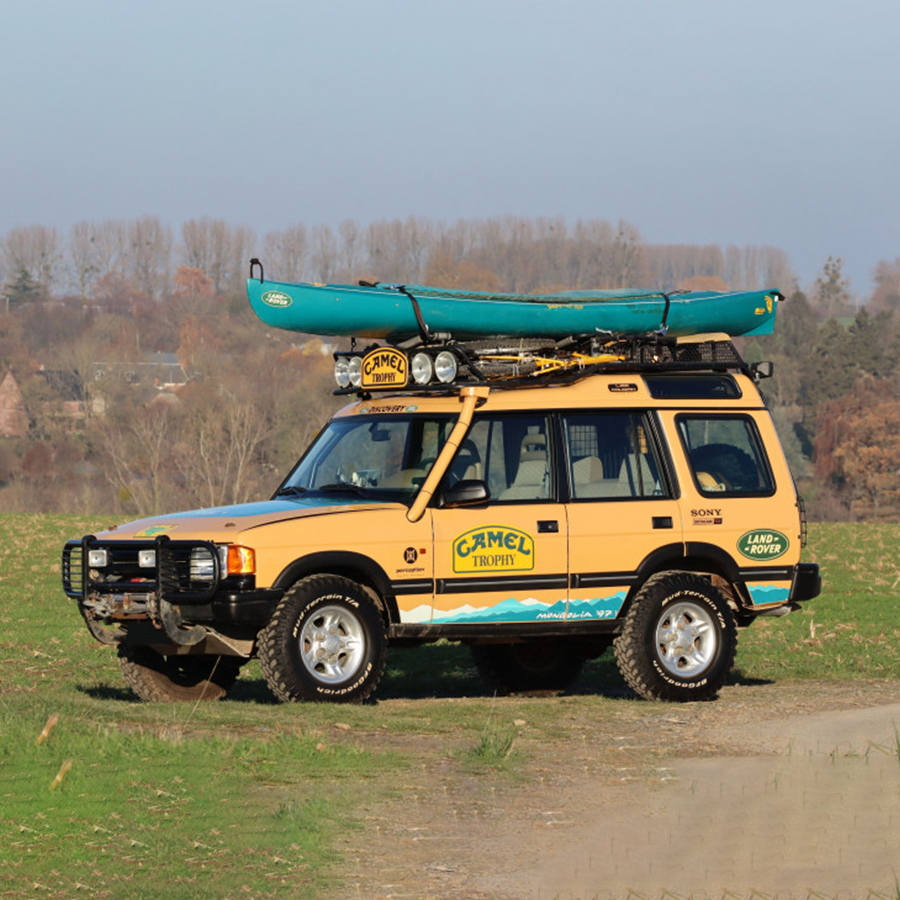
{"points": [[159, 679], [679, 639], [325, 641]]}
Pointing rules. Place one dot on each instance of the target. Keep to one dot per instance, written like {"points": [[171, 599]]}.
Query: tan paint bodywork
{"points": [[603, 536]]}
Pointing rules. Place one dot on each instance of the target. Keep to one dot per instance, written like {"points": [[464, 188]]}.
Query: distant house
{"points": [[162, 370], [13, 415]]}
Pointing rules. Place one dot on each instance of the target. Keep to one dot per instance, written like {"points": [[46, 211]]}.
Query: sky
{"points": [[699, 121]]}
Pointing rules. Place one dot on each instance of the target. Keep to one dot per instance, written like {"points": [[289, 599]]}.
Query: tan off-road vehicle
{"points": [[637, 499]]}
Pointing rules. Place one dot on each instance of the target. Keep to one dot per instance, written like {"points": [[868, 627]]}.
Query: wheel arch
{"points": [[697, 557], [355, 566]]}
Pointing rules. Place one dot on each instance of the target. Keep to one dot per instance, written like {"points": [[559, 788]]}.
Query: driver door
{"points": [[504, 561]]}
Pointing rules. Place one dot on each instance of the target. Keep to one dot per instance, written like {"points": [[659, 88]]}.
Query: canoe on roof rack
{"points": [[397, 313]]}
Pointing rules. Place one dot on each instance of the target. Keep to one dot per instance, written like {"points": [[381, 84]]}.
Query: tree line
{"points": [[91, 322], [512, 253]]}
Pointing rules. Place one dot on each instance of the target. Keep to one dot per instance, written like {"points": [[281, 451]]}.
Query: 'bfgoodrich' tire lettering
{"points": [[679, 639], [325, 641]]}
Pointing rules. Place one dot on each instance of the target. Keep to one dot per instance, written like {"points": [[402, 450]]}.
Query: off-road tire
{"points": [[161, 679], [324, 642], [538, 666], [678, 640]]}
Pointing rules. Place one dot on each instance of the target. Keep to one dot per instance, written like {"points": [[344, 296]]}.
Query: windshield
{"points": [[375, 458]]}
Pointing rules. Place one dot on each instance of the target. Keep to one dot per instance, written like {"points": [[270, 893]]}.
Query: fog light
{"points": [[98, 559], [445, 366], [354, 371], [147, 559], [422, 368], [342, 371]]}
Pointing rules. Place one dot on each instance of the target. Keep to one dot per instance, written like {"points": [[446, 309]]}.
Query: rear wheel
{"points": [[545, 665], [158, 679], [679, 639], [325, 641]]}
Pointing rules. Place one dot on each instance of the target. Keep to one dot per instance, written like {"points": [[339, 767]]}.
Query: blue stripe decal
{"points": [[266, 508], [764, 594], [513, 610]]}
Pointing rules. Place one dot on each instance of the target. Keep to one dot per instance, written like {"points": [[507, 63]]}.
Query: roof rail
{"points": [[445, 367]]}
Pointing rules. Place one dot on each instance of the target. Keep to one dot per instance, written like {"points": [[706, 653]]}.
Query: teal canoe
{"points": [[398, 312]]}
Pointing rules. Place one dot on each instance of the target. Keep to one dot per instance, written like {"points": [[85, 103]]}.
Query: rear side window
{"points": [[726, 455], [611, 455]]}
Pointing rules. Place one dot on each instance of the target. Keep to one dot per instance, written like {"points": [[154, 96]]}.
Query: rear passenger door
{"points": [[622, 505], [504, 561]]}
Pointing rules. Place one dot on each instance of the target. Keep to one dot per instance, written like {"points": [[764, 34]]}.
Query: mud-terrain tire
{"points": [[325, 641], [678, 640], [161, 679], [545, 665]]}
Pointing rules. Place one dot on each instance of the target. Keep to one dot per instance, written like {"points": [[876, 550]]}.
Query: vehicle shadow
{"points": [[440, 670]]}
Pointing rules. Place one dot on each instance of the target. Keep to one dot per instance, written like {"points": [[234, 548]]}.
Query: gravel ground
{"points": [[787, 790]]}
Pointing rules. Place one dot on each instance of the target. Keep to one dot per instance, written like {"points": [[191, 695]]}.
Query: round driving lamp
{"points": [[354, 370], [445, 367], [422, 368], [342, 371]]}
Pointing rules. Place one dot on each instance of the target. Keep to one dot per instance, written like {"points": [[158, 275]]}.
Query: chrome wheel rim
{"points": [[332, 644], [686, 639]]}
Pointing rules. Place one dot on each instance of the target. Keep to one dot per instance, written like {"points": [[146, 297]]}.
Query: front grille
{"points": [[72, 569], [185, 571]]}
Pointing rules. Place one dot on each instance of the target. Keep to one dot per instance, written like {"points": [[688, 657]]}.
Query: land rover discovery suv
{"points": [[639, 501]]}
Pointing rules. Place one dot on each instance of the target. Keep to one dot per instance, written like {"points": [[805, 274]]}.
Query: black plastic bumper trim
{"points": [[246, 607], [807, 583]]}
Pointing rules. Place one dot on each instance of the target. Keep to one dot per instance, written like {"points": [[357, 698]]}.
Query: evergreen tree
{"points": [[22, 288]]}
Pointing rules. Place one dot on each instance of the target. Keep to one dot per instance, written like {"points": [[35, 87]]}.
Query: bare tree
{"points": [[286, 252], [217, 446], [111, 243], [137, 455], [36, 250], [324, 253], [351, 247], [84, 256], [149, 254], [217, 249], [243, 242]]}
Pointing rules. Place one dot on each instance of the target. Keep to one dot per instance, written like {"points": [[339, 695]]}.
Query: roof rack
{"points": [[446, 366]]}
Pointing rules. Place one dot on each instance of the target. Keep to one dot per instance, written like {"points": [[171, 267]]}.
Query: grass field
{"points": [[247, 798]]}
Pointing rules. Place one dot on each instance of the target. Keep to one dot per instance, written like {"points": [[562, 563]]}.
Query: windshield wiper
{"points": [[341, 487], [291, 489]]}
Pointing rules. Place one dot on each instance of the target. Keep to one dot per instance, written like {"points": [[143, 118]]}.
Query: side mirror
{"points": [[760, 370], [468, 492]]}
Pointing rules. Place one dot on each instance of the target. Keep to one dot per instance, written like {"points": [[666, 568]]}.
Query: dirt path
{"points": [[780, 789]]}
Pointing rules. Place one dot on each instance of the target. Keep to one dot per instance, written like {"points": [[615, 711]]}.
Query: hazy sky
{"points": [[699, 121]]}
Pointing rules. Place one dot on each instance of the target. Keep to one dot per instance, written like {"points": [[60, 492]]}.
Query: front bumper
{"points": [[184, 592]]}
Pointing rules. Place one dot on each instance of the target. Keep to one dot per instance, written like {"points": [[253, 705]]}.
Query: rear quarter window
{"points": [[726, 455]]}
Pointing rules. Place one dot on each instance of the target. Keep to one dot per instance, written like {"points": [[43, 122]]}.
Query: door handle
{"points": [[548, 526], [662, 522]]}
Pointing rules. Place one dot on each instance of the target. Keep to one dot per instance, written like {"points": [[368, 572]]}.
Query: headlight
{"points": [[342, 371], [422, 368], [445, 367], [98, 559], [147, 559], [203, 567], [354, 371]]}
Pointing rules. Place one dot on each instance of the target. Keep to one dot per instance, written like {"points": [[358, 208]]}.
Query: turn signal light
{"points": [[241, 560]]}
